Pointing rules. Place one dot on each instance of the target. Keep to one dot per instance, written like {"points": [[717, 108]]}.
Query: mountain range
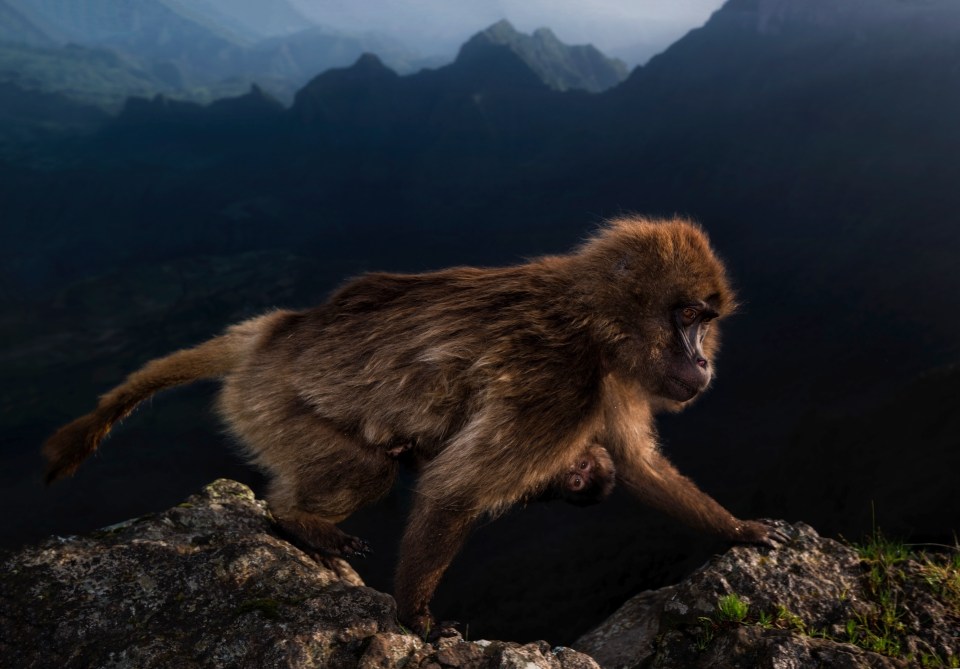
{"points": [[211, 49], [817, 142]]}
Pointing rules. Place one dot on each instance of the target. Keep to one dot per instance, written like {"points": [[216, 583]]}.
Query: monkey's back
{"points": [[413, 358]]}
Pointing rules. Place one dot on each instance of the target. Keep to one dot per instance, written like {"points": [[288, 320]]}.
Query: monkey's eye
{"points": [[584, 464], [688, 315], [576, 483]]}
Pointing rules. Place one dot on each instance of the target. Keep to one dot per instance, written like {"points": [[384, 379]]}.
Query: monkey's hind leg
{"points": [[435, 533], [308, 501]]}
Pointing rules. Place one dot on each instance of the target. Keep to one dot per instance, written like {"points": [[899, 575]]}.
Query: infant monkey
{"points": [[588, 480]]}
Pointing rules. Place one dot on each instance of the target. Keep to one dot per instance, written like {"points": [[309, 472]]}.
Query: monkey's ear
{"points": [[622, 266]]}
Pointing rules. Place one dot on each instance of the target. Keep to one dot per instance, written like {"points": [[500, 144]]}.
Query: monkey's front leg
{"points": [[433, 536], [657, 482]]}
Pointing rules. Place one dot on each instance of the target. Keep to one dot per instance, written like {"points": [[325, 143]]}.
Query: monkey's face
{"points": [[686, 368], [655, 290], [669, 345], [591, 478]]}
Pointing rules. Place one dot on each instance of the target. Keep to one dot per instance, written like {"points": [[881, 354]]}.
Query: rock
{"points": [[207, 584], [812, 602]]}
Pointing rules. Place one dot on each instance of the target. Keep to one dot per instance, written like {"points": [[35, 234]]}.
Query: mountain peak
{"points": [[368, 62], [544, 34], [367, 68], [558, 65], [500, 31], [256, 104], [341, 93]]}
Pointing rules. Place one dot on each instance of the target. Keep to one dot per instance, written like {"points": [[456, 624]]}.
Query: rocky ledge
{"points": [[208, 584], [813, 602]]}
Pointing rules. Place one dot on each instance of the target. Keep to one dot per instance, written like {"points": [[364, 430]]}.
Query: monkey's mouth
{"points": [[681, 390]]}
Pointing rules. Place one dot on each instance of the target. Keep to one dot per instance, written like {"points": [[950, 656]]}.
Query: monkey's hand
{"points": [[762, 532]]}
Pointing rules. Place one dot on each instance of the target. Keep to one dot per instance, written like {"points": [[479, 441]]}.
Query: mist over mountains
{"points": [[816, 141], [100, 53]]}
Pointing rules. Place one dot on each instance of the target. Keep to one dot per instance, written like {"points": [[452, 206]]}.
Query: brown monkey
{"points": [[497, 378]]}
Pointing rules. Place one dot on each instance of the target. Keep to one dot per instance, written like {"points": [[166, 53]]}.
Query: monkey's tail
{"points": [[74, 442]]}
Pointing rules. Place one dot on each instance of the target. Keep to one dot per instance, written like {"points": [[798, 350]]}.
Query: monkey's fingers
{"points": [[776, 532], [762, 532], [779, 536]]}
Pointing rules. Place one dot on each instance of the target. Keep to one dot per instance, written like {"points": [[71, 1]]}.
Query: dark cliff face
{"points": [[360, 94], [28, 114]]}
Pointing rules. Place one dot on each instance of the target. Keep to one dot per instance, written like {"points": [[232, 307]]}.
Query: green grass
{"points": [[942, 576], [730, 608], [881, 630]]}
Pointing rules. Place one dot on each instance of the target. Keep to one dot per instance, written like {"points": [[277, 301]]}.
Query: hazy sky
{"points": [[632, 30]]}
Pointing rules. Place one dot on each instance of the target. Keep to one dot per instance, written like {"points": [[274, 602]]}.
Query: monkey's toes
{"points": [[443, 630], [355, 547]]}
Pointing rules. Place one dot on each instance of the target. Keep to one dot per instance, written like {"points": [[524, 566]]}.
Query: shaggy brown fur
{"points": [[589, 479], [497, 378]]}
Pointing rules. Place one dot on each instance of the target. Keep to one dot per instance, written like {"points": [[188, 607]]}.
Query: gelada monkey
{"points": [[497, 378]]}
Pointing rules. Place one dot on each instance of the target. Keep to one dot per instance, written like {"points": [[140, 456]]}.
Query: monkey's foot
{"points": [[762, 532], [429, 630], [354, 547], [321, 538], [444, 630]]}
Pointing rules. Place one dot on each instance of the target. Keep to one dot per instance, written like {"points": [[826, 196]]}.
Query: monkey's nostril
{"points": [[702, 362]]}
